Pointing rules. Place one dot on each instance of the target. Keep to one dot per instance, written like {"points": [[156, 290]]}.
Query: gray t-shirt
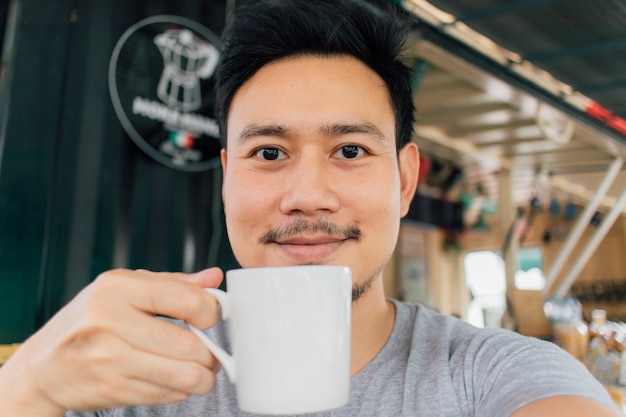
{"points": [[432, 365]]}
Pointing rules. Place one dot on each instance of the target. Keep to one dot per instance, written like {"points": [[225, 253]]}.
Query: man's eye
{"points": [[269, 154], [349, 152]]}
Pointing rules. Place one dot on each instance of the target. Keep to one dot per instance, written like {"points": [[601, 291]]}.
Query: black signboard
{"points": [[161, 85]]}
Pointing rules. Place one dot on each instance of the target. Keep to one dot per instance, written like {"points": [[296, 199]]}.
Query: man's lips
{"points": [[310, 248], [302, 240]]}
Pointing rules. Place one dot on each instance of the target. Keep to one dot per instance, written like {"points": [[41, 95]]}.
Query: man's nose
{"points": [[309, 188]]}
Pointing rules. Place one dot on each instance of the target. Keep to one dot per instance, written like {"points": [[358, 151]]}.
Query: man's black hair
{"points": [[269, 30]]}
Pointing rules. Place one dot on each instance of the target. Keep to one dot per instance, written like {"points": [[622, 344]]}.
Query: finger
{"points": [[166, 338], [169, 374], [206, 278], [122, 376], [101, 370], [143, 393], [169, 337], [125, 303], [135, 392], [157, 294]]}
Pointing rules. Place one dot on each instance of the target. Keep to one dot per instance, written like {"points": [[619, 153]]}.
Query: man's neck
{"points": [[372, 322]]}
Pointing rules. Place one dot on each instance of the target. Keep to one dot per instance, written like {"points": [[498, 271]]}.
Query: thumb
{"points": [[207, 278]]}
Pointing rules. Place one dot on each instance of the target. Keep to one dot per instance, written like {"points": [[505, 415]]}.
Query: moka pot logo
{"points": [[161, 86]]}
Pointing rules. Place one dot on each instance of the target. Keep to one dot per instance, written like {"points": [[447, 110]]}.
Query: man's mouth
{"points": [[310, 232], [307, 249], [307, 240], [313, 240]]}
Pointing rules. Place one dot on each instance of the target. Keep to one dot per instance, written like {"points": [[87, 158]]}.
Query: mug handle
{"points": [[225, 359]]}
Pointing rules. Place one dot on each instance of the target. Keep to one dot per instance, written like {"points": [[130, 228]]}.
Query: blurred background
{"points": [[521, 108]]}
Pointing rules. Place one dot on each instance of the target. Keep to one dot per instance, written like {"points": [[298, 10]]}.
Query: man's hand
{"points": [[107, 349]]}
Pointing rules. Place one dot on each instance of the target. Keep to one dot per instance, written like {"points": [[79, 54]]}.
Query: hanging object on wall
{"points": [[161, 85], [553, 226], [441, 175], [534, 209], [477, 207], [554, 208], [596, 219], [571, 212]]}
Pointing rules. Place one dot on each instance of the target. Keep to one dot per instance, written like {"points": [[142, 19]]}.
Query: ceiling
{"points": [[534, 87]]}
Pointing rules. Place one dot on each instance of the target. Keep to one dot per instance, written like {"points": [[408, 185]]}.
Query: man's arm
{"points": [[566, 406], [107, 348]]}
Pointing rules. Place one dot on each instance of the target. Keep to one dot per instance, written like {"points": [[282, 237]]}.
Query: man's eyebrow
{"points": [[337, 129], [263, 130], [331, 129]]}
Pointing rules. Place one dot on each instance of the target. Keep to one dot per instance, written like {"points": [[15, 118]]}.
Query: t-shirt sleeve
{"points": [[503, 371]]}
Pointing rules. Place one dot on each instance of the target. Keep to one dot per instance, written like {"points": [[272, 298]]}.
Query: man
{"points": [[319, 167]]}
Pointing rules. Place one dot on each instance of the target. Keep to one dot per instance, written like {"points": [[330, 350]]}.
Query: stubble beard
{"points": [[359, 289]]}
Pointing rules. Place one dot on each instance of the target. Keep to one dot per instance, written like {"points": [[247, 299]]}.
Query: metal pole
{"points": [[595, 240], [581, 224]]}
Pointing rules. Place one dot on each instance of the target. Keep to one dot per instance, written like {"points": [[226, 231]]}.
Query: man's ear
{"points": [[223, 159], [409, 160]]}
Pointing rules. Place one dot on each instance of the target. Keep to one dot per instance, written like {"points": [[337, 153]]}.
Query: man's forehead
{"points": [[331, 95]]}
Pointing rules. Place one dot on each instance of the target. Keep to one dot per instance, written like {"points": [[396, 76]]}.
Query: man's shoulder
{"points": [[448, 333], [502, 368]]}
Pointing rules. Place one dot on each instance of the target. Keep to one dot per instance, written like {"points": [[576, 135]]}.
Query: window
{"points": [[485, 277], [529, 275]]}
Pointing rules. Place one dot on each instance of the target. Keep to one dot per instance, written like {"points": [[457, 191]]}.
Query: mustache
{"points": [[301, 225]]}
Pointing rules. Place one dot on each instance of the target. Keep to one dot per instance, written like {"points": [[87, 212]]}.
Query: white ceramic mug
{"points": [[290, 330]]}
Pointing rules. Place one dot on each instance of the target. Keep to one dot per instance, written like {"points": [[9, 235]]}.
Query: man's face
{"points": [[311, 174]]}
